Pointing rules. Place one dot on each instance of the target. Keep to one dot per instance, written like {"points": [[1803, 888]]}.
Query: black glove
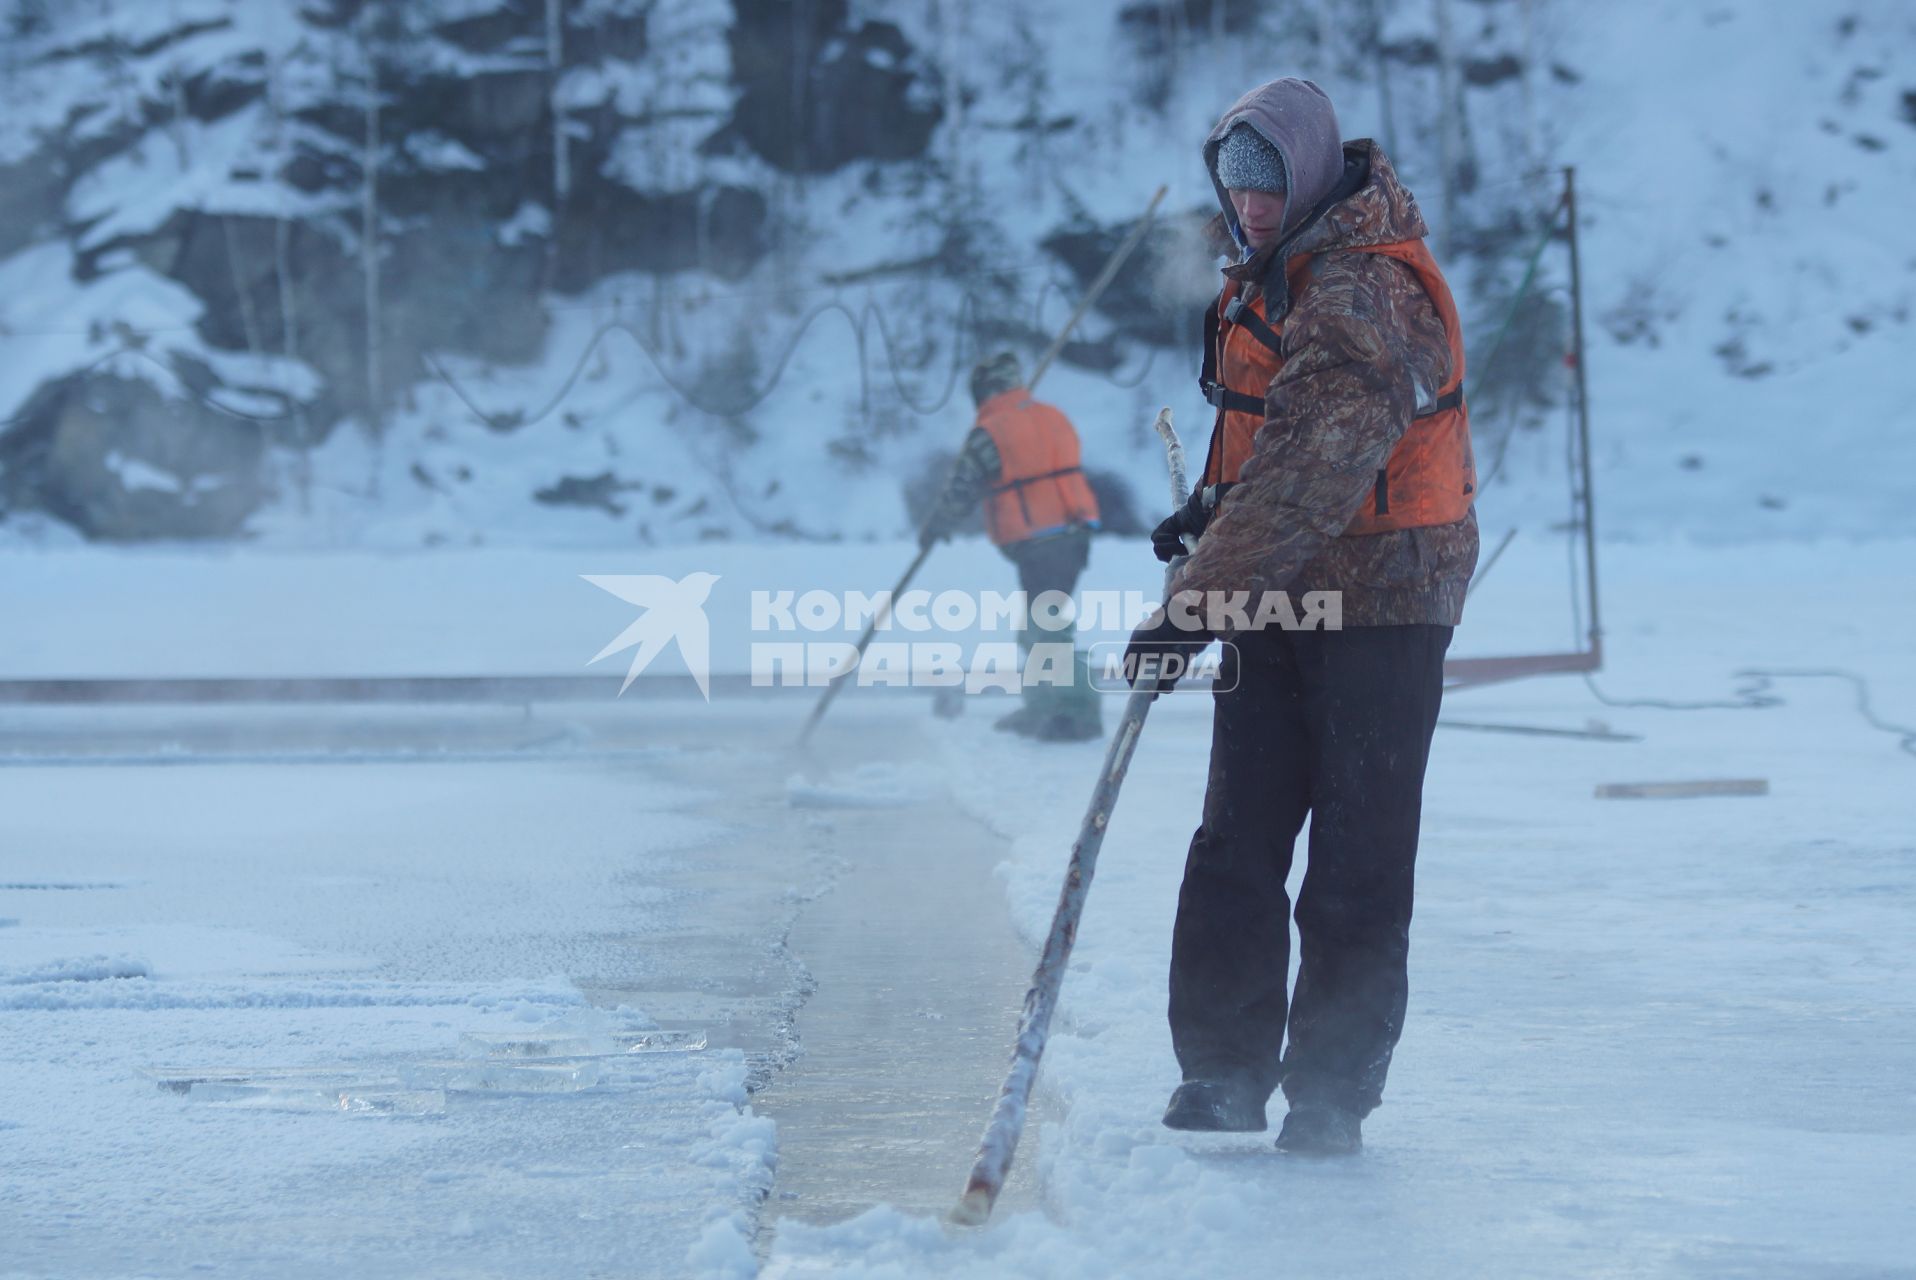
{"points": [[932, 534], [1162, 650], [1189, 520]]}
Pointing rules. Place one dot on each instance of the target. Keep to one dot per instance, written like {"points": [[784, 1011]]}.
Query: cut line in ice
{"points": [[878, 785]]}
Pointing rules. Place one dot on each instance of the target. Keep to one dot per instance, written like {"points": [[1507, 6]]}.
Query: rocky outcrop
{"points": [[816, 93], [115, 458]]}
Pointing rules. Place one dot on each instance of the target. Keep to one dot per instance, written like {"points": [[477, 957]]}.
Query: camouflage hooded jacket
{"points": [[1359, 339]]}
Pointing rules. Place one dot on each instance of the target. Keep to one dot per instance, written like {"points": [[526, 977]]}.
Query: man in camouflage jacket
{"points": [[1330, 724]]}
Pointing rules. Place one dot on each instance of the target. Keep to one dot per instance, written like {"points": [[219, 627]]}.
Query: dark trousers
{"points": [[1050, 563], [1336, 725]]}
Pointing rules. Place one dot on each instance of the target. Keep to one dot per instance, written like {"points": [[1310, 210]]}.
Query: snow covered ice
{"points": [[627, 986], [340, 1036], [1656, 1037]]}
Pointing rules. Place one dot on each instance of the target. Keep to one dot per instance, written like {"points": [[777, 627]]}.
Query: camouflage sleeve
{"points": [[1361, 347], [972, 476]]}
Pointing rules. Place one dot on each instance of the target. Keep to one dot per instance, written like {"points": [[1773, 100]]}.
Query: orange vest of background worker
{"points": [[1022, 463], [1040, 488]]}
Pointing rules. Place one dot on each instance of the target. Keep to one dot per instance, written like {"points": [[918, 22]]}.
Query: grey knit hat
{"points": [[995, 374], [1246, 162]]}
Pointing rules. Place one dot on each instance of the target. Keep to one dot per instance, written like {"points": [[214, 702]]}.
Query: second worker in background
{"points": [[1022, 462]]}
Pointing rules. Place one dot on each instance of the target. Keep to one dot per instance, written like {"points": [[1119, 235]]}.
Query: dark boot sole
{"points": [[1204, 1120], [1317, 1139], [1308, 1151]]}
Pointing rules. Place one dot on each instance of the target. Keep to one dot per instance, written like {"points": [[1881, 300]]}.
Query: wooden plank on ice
{"points": [[1683, 790]]}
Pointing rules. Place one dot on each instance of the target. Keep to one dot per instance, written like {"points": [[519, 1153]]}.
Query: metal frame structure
{"points": [[1460, 673]]}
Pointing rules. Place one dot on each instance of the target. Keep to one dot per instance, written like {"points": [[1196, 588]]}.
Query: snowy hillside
{"points": [[318, 274]]}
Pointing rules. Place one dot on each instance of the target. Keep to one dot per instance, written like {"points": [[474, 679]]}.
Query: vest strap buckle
{"points": [[1222, 397]]}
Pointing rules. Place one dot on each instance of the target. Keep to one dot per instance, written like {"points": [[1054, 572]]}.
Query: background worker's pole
{"points": [[1098, 286], [1007, 1123], [878, 615]]}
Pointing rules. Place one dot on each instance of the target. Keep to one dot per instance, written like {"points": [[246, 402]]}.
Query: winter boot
{"points": [[1220, 1106], [1067, 726], [1320, 1129], [1072, 711], [1023, 720]]}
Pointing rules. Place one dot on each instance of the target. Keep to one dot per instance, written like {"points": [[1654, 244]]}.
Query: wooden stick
{"points": [[1000, 1141], [1683, 790]]}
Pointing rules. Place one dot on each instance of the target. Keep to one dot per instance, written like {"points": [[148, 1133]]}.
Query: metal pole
{"points": [[1588, 493]]}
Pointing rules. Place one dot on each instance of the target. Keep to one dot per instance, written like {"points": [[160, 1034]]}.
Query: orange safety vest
{"points": [[1041, 487], [1430, 477]]}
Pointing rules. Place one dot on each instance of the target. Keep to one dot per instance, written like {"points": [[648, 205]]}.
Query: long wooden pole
{"points": [[1000, 1141]]}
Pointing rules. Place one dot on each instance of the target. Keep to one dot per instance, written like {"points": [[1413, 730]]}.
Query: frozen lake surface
{"points": [[382, 990], [633, 990]]}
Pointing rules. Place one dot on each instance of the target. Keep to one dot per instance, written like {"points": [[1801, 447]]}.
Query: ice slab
{"points": [[183, 1079], [563, 1075], [344, 1099], [562, 1044]]}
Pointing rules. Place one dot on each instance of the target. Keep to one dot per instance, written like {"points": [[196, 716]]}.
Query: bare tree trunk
{"points": [[1171, 14], [1532, 153], [555, 62], [177, 83], [1446, 123], [801, 76], [561, 152], [249, 321], [945, 14], [113, 53], [369, 265], [1037, 167], [654, 313], [289, 345], [288, 303], [675, 332], [1374, 23], [1320, 36]]}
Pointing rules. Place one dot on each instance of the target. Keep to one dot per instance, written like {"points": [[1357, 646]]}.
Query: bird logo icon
{"points": [[670, 611]]}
